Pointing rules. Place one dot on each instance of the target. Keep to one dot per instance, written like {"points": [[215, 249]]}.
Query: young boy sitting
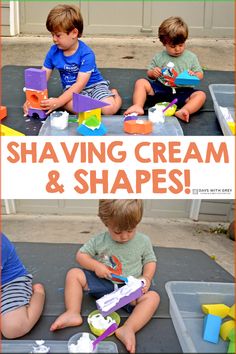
{"points": [[134, 253], [75, 62], [21, 302], [173, 33]]}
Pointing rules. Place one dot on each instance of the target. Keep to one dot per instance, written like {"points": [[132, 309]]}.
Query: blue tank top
{"points": [[11, 265]]}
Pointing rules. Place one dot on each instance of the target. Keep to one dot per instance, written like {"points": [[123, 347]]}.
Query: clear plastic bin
{"points": [[114, 125], [56, 346], [186, 299], [223, 95]]}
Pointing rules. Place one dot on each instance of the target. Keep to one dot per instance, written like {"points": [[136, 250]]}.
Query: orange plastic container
{"points": [[35, 97], [138, 126]]}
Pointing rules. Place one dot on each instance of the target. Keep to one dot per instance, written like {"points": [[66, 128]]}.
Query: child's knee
{"points": [[39, 288], [76, 274], [154, 297], [140, 83], [202, 95]]}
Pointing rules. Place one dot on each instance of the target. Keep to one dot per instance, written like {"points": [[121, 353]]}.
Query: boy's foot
{"points": [[127, 337], [134, 109], [38, 288], [182, 114], [67, 319]]}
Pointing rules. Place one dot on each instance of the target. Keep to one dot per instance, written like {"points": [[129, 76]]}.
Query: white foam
{"points": [[156, 115], [110, 300], [41, 348], [99, 322], [59, 120]]}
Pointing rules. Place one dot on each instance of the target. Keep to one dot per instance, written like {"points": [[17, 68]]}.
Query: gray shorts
{"points": [[98, 91], [16, 293]]}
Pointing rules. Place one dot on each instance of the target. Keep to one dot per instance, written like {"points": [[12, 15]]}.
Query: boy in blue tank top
{"points": [[21, 302], [75, 62]]}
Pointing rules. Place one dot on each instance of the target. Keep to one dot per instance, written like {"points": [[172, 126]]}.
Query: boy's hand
{"points": [[50, 104], [102, 271], [146, 285], [154, 73], [199, 74], [192, 73]]}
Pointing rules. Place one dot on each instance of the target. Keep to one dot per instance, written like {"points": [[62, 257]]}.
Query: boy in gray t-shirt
{"points": [[120, 250], [163, 69]]}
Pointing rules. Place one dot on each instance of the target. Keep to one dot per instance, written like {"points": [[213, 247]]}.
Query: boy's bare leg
{"points": [[142, 89], [142, 313], [18, 322], [114, 101], [193, 104], [69, 107], [74, 285]]}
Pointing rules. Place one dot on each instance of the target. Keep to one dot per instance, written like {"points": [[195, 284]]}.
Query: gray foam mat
{"points": [[49, 264], [203, 122], [158, 336]]}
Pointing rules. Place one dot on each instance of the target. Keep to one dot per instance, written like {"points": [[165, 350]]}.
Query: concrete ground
{"points": [[176, 233], [119, 52]]}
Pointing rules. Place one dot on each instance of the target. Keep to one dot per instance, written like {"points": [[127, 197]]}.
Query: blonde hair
{"points": [[123, 214], [65, 18], [173, 31]]}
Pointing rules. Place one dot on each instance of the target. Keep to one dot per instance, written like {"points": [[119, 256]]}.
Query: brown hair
{"points": [[65, 18], [173, 31], [123, 214]]}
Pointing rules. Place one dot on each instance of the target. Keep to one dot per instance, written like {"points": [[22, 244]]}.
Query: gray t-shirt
{"points": [[186, 61], [132, 255]]}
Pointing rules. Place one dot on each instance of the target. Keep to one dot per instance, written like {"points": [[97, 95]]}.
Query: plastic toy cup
{"points": [[170, 111], [155, 115], [99, 331], [59, 119], [74, 340]]}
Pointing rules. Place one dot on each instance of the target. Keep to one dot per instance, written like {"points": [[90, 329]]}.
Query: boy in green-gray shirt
{"points": [[120, 251], [164, 68], [131, 256]]}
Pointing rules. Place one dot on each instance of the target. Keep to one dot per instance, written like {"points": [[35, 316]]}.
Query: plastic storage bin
{"points": [[223, 95], [114, 125], [186, 299], [26, 346]]}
